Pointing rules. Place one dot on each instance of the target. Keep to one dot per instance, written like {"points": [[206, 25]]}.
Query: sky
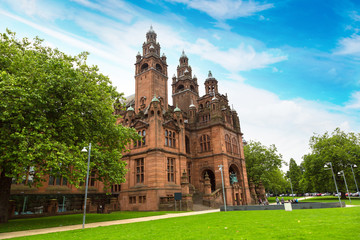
{"points": [[290, 68]]}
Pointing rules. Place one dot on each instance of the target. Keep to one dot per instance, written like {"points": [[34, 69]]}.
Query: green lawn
{"points": [[332, 223], [65, 220]]}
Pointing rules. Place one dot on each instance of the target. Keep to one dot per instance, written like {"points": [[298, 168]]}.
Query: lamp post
{"points": [[341, 173], [292, 193], [87, 181], [355, 166], [222, 181], [332, 171]]}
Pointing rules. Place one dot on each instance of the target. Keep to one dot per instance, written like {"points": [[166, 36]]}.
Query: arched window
{"points": [[180, 88], [227, 143], [235, 146], [192, 88], [170, 138], [204, 143], [144, 67], [158, 67], [207, 104]]}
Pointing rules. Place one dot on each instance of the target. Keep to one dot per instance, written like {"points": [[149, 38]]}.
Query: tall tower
{"points": [[185, 90], [150, 74]]}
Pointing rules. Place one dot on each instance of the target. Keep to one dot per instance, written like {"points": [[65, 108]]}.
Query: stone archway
{"points": [[235, 182], [211, 175]]}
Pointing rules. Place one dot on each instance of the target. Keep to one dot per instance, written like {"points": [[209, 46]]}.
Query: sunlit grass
{"points": [[331, 223]]}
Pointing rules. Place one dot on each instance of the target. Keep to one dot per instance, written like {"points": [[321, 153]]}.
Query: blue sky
{"points": [[289, 67]]}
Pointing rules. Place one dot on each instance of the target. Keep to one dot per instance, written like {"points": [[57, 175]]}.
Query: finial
{"points": [[210, 74], [183, 54]]}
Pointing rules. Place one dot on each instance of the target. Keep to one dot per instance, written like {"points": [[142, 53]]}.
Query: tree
{"points": [[52, 105], [339, 148], [264, 163], [295, 175]]}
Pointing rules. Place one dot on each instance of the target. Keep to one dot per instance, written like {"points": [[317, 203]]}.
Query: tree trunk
{"points": [[5, 186]]}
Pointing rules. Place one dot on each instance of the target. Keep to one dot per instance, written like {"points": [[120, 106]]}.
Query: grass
{"points": [[65, 220], [331, 223]]}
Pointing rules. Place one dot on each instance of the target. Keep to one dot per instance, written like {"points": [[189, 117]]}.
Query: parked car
{"points": [[355, 194]]}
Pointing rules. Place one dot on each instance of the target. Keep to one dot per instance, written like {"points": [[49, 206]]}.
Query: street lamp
{"points": [[222, 181], [341, 173], [355, 166], [87, 181], [292, 193], [332, 171]]}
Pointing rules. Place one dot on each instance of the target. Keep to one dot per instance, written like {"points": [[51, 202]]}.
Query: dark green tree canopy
{"points": [[264, 163], [52, 105], [295, 175], [339, 148]]}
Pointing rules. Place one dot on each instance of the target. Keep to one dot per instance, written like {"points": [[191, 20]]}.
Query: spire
{"points": [[151, 30], [210, 74], [183, 55]]}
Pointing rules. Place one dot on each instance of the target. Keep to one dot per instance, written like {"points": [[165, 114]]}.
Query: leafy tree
{"points": [[264, 163], [339, 148], [52, 105], [295, 175]]}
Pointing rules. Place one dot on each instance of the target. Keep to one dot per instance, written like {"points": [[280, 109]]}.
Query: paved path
{"points": [[99, 224]]}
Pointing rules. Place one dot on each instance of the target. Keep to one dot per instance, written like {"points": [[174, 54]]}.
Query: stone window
{"points": [[171, 169], [142, 199], [57, 180], [142, 141], [139, 170], [189, 171], [227, 143], [116, 188], [235, 146], [204, 143], [132, 199], [170, 138]]}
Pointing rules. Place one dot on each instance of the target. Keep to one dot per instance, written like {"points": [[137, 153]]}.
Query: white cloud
{"points": [[354, 102], [226, 9], [38, 8], [288, 124], [350, 45], [242, 58]]}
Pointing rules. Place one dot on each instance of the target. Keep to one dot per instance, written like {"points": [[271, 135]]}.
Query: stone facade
{"points": [[191, 138]]}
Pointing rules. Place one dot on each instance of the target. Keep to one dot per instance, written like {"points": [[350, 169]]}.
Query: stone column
{"points": [[186, 196], [252, 192]]}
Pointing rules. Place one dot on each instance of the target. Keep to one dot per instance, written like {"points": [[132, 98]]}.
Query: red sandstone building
{"points": [[181, 149], [183, 144]]}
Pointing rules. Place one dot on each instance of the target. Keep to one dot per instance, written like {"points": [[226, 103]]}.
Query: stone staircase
{"points": [[198, 202]]}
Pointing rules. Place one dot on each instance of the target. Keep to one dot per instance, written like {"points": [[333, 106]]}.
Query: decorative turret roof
{"points": [[192, 104], [130, 109], [155, 99], [151, 30], [177, 109], [183, 55]]}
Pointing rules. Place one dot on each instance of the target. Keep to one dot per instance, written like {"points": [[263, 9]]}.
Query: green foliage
{"points": [[52, 105], [339, 148], [264, 163], [295, 175]]}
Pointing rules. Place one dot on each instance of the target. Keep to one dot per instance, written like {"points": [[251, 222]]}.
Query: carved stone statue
{"points": [[233, 178]]}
